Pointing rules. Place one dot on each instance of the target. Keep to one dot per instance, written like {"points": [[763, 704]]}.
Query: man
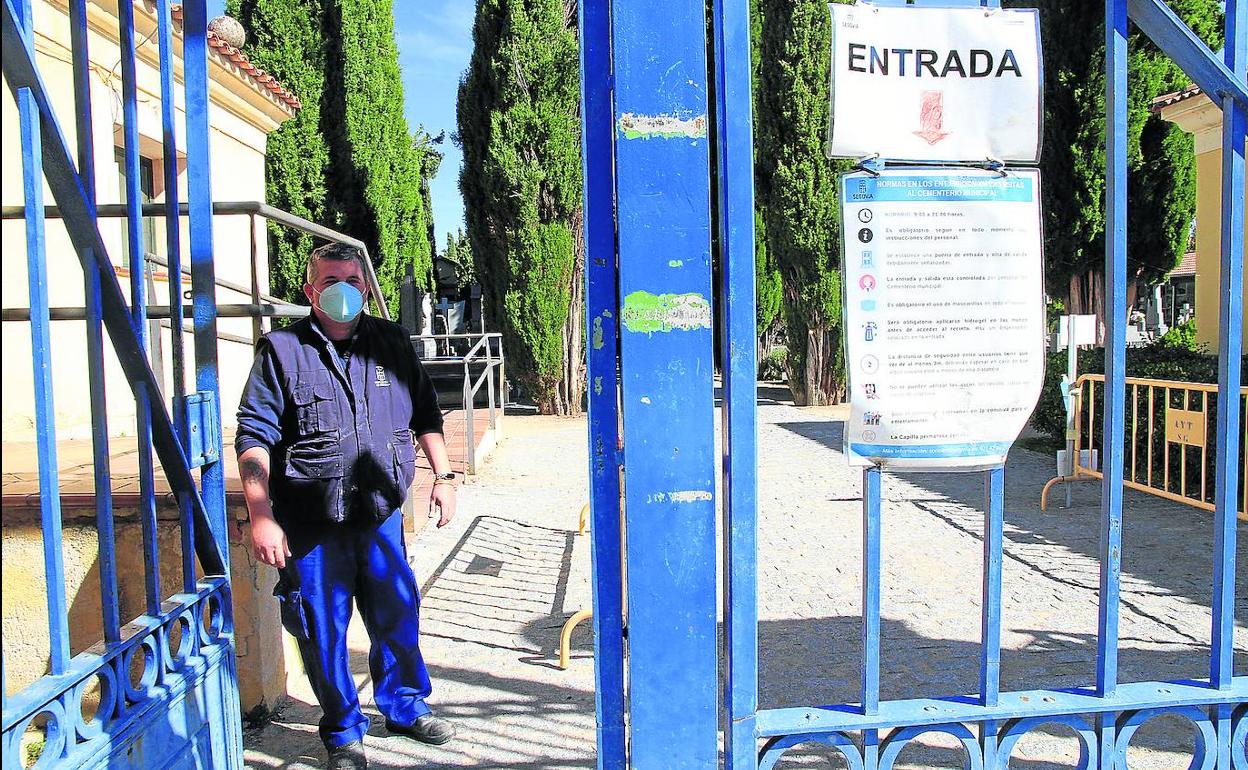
{"points": [[326, 454]]}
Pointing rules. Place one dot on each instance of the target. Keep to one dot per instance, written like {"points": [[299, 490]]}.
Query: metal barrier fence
{"points": [[1170, 442], [482, 353]]}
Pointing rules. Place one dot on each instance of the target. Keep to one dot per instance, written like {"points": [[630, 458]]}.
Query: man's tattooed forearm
{"points": [[253, 470]]}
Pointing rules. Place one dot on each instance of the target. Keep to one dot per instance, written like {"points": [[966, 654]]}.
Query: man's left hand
{"points": [[442, 503]]}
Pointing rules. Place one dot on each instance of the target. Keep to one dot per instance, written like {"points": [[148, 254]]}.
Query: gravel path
{"points": [[500, 580]]}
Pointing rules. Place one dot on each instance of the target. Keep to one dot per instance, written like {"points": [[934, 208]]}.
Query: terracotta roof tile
{"points": [[1161, 102], [1187, 267], [264, 80]]}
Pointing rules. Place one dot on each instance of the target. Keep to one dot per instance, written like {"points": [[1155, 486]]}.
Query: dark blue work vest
{"points": [[347, 451]]}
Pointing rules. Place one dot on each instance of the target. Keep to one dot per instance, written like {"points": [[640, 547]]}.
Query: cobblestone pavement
{"points": [[501, 579]]}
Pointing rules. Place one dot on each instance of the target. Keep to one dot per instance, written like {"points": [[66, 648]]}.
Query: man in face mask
{"points": [[327, 433]]}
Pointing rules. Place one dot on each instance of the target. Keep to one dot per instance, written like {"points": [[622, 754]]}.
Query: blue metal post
{"points": [[1230, 351], [101, 462], [990, 619], [602, 320], [138, 304], [663, 189], [871, 568], [1115, 343], [739, 342], [871, 590], [203, 271], [173, 246], [1116, 137], [1230, 359], [45, 412], [41, 353]]}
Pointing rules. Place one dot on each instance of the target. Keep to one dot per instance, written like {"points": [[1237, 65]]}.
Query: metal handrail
{"points": [[484, 341], [250, 209]]}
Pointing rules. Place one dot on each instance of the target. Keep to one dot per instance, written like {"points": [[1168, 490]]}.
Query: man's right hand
{"points": [[268, 541]]}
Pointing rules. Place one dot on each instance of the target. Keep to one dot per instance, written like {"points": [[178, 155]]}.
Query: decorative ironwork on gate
{"points": [[165, 680]]}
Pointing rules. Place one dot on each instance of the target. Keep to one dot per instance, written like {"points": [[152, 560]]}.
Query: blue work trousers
{"points": [[332, 565]]}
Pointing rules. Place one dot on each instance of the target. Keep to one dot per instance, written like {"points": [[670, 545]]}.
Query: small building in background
{"points": [[1198, 115]]}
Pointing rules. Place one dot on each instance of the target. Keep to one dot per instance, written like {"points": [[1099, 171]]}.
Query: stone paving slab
{"points": [[491, 628]]}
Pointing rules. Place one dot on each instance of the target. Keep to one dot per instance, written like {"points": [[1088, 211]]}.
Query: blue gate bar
{"points": [[666, 344], [62, 178], [85, 136], [990, 625], [203, 270], [138, 303], [990, 617], [45, 412], [173, 247], [1230, 353], [1115, 342], [871, 591], [602, 322], [738, 330]]}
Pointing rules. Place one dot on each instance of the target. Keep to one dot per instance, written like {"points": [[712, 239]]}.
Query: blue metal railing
{"points": [[195, 680]]}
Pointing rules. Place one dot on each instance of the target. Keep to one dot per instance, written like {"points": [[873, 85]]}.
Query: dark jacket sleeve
{"points": [[426, 414], [260, 409]]}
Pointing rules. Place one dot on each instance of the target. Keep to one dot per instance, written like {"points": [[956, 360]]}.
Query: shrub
{"points": [[1160, 361], [1182, 336], [773, 366]]}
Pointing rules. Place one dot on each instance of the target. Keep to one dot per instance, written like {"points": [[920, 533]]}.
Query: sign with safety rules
{"points": [[947, 84], [944, 315]]}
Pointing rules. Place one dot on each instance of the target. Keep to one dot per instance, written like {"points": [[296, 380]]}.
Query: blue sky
{"points": [[435, 41]]}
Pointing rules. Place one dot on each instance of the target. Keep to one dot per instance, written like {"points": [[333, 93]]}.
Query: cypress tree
{"points": [[347, 159], [797, 191], [284, 37], [766, 275], [1161, 162], [521, 180]]}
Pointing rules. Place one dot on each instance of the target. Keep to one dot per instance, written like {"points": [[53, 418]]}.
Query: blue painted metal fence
{"points": [[646, 234], [161, 704]]}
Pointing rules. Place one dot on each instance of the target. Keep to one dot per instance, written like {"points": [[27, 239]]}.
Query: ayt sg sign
{"points": [[933, 84]]}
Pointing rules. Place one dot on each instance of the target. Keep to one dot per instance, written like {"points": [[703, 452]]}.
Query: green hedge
{"points": [[1159, 361]]}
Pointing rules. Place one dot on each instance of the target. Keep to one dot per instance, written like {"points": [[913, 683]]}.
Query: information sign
{"points": [[938, 84], [944, 314]]}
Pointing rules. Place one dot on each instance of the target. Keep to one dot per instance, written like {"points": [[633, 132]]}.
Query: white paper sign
{"points": [[950, 84], [944, 315]]}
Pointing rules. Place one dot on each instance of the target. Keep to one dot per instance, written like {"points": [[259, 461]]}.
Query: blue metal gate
{"points": [[161, 704], [647, 152]]}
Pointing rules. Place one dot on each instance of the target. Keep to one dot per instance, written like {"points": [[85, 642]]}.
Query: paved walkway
{"points": [[500, 580]]}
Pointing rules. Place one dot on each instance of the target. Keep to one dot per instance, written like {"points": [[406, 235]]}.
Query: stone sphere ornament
{"points": [[229, 30]]}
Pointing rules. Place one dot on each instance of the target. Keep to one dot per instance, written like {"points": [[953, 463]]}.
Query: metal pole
{"points": [[1072, 374], [470, 449], [257, 326]]}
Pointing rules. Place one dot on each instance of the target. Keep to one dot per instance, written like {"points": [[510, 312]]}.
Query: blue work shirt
{"points": [[339, 427]]}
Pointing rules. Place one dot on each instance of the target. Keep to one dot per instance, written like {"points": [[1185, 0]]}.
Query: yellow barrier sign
{"points": [[1185, 427]]}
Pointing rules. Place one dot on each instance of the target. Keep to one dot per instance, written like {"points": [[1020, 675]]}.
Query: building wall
{"points": [[1209, 248], [262, 645], [1199, 116], [238, 135]]}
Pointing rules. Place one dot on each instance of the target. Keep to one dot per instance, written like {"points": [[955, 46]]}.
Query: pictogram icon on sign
{"points": [[931, 117]]}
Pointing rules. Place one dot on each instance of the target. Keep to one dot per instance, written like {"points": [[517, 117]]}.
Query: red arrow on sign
{"points": [[931, 117]]}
